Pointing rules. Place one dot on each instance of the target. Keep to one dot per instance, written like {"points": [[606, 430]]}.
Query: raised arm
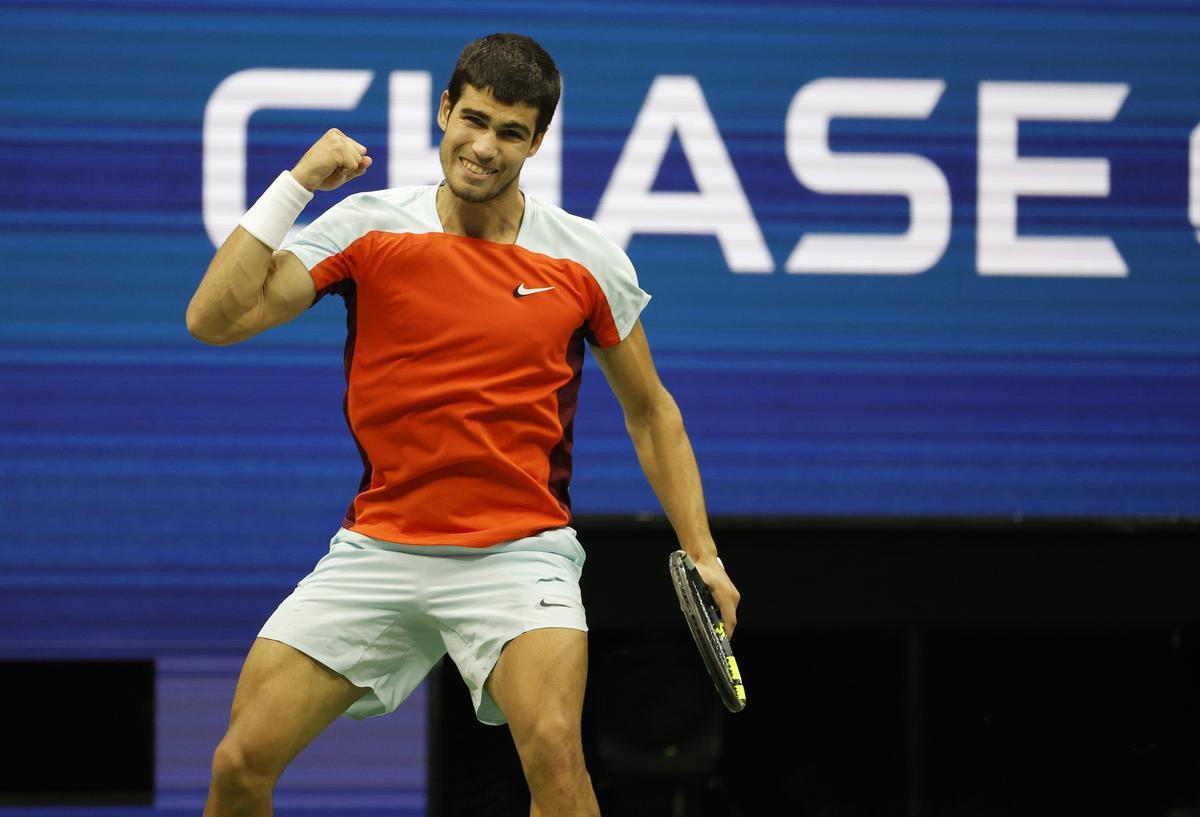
{"points": [[246, 290], [249, 287], [665, 453]]}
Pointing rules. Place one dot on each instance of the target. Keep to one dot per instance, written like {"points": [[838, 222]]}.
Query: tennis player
{"points": [[468, 305]]}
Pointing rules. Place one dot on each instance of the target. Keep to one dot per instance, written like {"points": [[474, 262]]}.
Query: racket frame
{"points": [[704, 621]]}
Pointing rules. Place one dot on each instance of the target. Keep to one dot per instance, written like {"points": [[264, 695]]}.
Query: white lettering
{"points": [[675, 104], [914, 177], [412, 157], [1003, 176], [227, 115], [1194, 182], [542, 175]]}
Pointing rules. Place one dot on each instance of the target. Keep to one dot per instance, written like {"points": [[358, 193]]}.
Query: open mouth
{"points": [[474, 169]]}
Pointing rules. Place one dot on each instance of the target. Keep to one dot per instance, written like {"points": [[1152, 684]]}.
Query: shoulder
{"points": [[391, 203], [398, 210], [559, 234]]}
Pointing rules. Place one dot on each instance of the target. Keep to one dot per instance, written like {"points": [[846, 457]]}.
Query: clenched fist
{"points": [[332, 161]]}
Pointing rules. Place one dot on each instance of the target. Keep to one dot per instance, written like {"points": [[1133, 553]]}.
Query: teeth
{"points": [[474, 168]]}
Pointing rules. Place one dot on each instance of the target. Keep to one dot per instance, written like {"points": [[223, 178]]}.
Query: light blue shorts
{"points": [[383, 614]]}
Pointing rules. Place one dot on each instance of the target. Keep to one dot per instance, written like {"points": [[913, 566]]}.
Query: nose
{"points": [[485, 146]]}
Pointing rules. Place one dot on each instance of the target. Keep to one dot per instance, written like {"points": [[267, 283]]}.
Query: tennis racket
{"points": [[704, 620]]}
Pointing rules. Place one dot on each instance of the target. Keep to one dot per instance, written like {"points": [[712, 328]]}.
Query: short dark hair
{"points": [[515, 69]]}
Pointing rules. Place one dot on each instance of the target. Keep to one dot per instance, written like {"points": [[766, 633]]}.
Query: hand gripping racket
{"points": [[704, 620]]}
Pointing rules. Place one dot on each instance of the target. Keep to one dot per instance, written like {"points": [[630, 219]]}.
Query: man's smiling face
{"points": [[486, 143]]}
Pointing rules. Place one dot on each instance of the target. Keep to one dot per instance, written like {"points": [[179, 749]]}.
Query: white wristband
{"points": [[276, 210]]}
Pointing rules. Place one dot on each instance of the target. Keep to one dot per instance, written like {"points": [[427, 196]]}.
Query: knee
{"points": [[238, 772], [553, 746]]}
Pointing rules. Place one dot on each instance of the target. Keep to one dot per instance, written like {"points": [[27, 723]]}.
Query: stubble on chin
{"points": [[476, 196]]}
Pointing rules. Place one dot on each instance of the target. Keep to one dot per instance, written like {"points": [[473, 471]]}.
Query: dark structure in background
{"points": [[77, 732], [932, 669], [893, 670]]}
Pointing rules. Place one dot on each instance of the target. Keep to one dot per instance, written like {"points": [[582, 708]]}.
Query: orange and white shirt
{"points": [[463, 360]]}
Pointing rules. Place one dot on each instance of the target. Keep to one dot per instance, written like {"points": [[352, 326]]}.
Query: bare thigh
{"points": [[539, 684], [541, 677], [283, 700]]}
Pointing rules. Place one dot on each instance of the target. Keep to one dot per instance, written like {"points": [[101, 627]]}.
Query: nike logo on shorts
{"points": [[521, 291], [544, 603]]}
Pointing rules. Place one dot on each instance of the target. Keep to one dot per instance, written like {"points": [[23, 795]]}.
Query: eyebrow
{"points": [[513, 124]]}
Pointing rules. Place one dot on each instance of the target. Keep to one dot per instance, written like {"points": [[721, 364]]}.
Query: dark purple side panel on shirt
{"points": [[349, 292], [568, 398]]}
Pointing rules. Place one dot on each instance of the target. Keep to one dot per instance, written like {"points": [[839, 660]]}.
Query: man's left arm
{"points": [[665, 453]]}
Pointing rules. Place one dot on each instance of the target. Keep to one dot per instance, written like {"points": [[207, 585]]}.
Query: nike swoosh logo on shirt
{"points": [[544, 603], [521, 291]]}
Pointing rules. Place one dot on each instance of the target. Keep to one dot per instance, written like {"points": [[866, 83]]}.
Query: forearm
{"points": [[232, 287], [666, 457]]}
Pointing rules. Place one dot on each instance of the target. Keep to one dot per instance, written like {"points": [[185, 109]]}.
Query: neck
{"points": [[497, 219]]}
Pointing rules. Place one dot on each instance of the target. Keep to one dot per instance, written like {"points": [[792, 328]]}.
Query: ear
{"points": [[537, 143], [444, 109]]}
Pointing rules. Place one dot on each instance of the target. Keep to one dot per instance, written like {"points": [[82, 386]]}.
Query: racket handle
{"points": [[701, 585]]}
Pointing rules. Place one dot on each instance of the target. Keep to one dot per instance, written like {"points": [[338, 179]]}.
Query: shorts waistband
{"points": [[562, 541]]}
